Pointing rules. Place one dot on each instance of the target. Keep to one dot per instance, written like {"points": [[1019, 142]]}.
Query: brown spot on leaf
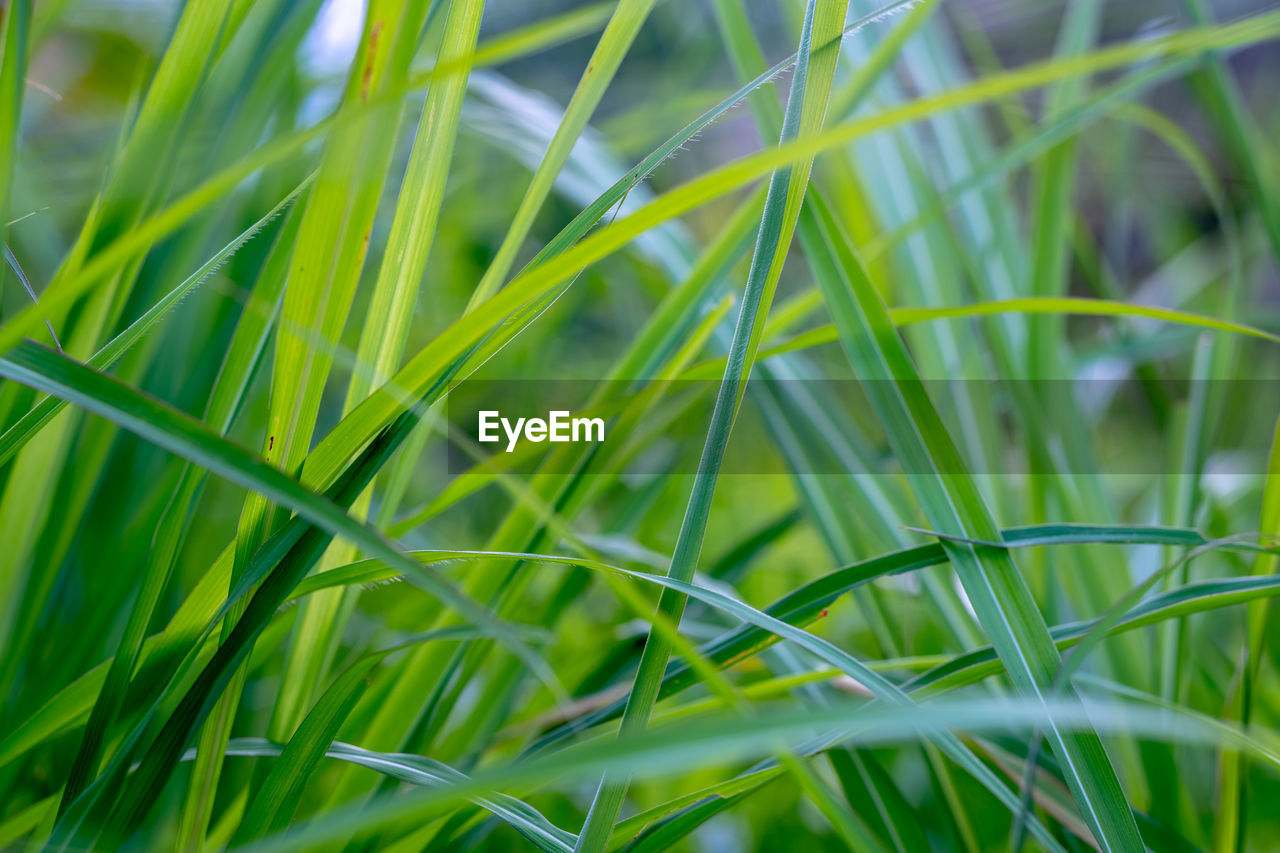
{"points": [[366, 76]]}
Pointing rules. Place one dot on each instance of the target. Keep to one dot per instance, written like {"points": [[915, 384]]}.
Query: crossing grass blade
{"points": [[1198, 597], [806, 109], [274, 803], [57, 374], [800, 608], [387, 325], [998, 592], [689, 743], [417, 770], [225, 401]]}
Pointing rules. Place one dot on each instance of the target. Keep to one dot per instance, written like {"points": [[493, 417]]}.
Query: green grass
{"points": [[259, 591]]}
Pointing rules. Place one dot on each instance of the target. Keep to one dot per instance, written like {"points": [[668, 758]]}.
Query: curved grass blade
{"points": [[1157, 536], [1112, 534], [806, 109], [422, 771], [1252, 30], [799, 608], [47, 371], [273, 804], [805, 604], [952, 502], [821, 648], [1196, 598], [905, 316], [1076, 306], [1199, 597], [719, 739]]}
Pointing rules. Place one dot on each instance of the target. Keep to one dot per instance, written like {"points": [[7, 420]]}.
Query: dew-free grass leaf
{"points": [[953, 504], [57, 374]]}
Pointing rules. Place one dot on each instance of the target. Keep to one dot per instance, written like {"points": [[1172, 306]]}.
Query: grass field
{"points": [[934, 347]]}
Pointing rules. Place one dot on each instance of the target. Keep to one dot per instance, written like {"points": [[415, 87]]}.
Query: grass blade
{"points": [[806, 109], [999, 594], [275, 801]]}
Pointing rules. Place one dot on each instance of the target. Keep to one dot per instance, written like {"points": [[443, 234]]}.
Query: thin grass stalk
{"points": [[805, 112]]}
